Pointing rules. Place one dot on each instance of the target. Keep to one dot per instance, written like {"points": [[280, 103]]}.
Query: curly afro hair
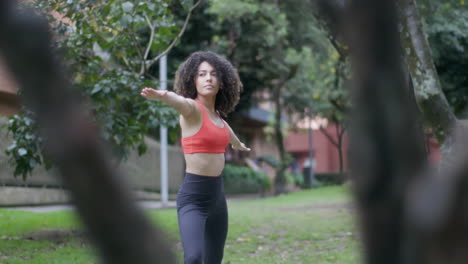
{"points": [[230, 84]]}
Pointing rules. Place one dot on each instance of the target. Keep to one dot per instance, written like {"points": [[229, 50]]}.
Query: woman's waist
{"points": [[208, 164], [201, 184], [201, 156]]}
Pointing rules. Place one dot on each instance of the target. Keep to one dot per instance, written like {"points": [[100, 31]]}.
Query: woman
{"points": [[207, 87]]}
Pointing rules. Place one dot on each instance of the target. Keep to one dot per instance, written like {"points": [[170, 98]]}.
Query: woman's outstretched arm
{"points": [[234, 140], [185, 106]]}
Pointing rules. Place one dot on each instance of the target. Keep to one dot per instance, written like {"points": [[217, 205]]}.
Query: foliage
{"points": [[446, 24], [319, 85], [274, 162], [265, 41], [110, 48], [26, 148], [294, 178], [250, 38], [270, 160], [257, 38], [239, 179]]}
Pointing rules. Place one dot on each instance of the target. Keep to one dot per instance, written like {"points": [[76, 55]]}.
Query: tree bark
{"points": [[280, 179], [340, 133], [339, 129], [430, 98], [278, 85]]}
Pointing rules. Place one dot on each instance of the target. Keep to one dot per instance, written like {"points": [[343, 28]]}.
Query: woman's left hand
{"points": [[241, 147]]}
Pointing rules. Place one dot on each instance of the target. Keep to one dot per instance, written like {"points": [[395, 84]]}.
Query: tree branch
{"points": [[137, 45], [328, 136], [151, 62], [152, 27], [342, 131], [337, 46], [148, 48]]}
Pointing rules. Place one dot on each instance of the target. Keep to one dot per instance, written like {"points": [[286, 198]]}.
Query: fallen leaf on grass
{"points": [[243, 239]]}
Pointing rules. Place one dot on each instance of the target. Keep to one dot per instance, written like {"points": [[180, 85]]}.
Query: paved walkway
{"points": [[142, 204], [51, 208]]}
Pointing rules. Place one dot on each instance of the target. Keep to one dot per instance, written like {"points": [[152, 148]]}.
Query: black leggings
{"points": [[203, 219]]}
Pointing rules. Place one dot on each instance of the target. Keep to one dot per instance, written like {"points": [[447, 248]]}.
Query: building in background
{"points": [[250, 126], [9, 103], [325, 153]]}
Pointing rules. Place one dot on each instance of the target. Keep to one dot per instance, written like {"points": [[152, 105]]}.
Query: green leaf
{"points": [[126, 19], [32, 163], [22, 151], [11, 147], [142, 148], [96, 89], [127, 7], [187, 4]]}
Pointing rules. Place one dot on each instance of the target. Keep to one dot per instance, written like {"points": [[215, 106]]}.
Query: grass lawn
{"points": [[315, 226]]}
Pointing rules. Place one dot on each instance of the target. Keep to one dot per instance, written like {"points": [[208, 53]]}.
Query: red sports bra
{"points": [[209, 139]]}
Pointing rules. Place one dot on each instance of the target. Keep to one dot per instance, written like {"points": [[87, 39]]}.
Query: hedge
{"points": [[238, 179]]}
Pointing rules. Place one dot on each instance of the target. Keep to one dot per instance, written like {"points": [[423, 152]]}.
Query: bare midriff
{"points": [[206, 164]]}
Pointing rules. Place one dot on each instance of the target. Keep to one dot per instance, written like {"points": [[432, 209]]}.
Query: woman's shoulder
{"points": [[196, 111]]}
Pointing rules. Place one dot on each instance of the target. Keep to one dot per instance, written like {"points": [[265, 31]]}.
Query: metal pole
{"points": [[163, 136], [311, 152]]}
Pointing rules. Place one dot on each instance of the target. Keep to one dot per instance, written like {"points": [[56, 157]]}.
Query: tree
{"points": [[323, 77], [111, 48], [430, 98], [445, 24], [319, 84]]}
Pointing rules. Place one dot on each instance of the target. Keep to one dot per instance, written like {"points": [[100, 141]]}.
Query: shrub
{"points": [[238, 179], [333, 178], [294, 178]]}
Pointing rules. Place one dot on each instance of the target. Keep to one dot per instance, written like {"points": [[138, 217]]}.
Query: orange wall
{"points": [[7, 85], [8, 99], [325, 153]]}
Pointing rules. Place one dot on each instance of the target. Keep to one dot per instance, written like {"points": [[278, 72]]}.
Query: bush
{"points": [[238, 179], [294, 178], [333, 178]]}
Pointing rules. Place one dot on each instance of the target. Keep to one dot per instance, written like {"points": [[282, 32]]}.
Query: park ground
{"points": [[313, 226]]}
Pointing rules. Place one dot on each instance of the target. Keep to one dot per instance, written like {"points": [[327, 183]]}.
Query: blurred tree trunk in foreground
{"points": [[103, 200], [408, 212]]}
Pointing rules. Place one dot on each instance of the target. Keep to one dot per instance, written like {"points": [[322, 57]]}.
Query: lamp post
{"points": [[163, 136], [311, 152]]}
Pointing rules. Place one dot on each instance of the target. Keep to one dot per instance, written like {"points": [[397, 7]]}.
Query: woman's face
{"points": [[207, 82]]}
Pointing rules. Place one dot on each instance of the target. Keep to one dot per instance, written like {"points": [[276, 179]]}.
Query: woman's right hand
{"points": [[152, 94]]}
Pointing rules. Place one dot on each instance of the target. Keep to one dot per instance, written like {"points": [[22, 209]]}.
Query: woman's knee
{"points": [[193, 258]]}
